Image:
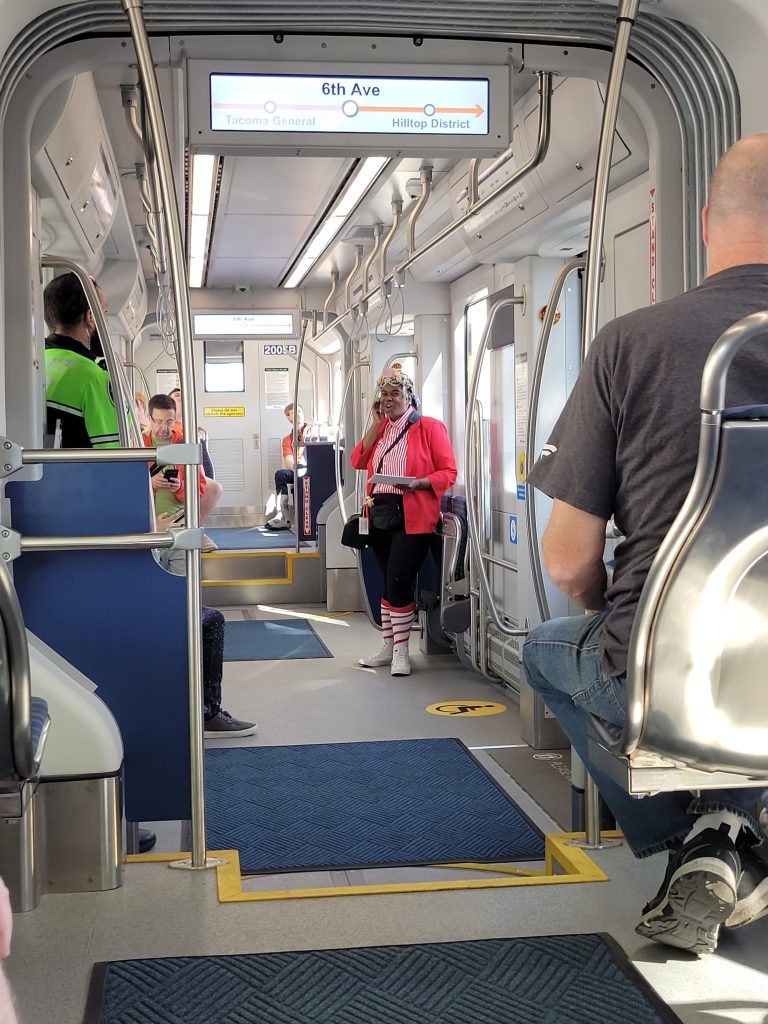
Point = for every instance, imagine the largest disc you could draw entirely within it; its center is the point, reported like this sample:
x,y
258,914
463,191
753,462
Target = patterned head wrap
x,y
393,377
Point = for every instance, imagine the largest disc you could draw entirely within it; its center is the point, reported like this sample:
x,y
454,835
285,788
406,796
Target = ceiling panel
x,y
274,185
257,273
257,236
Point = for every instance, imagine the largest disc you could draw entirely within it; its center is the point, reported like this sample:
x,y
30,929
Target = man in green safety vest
x,y
79,405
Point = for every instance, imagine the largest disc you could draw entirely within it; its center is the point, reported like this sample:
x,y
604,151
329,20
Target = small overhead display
x,y
244,325
349,105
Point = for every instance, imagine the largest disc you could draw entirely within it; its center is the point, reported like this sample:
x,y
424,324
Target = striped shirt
x,y
394,461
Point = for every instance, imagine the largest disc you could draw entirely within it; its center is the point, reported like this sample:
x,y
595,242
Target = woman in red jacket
x,y
402,517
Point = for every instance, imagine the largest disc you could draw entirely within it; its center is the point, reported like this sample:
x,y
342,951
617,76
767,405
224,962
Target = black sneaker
x,y
698,894
224,724
752,890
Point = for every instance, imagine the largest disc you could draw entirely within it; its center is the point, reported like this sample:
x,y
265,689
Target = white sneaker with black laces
x,y
223,726
697,896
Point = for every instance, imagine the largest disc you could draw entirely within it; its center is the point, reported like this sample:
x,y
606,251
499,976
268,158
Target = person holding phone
x,y
410,464
168,481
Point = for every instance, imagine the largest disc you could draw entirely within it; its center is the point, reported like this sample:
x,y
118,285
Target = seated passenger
x,y
402,518
283,477
626,445
168,481
218,722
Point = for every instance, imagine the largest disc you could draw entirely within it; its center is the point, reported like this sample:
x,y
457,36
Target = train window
x,y
224,367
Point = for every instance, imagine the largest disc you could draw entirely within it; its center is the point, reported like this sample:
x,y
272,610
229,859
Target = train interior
x,y
316,259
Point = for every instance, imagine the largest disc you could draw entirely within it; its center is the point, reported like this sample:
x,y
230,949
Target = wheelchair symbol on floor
x,y
466,708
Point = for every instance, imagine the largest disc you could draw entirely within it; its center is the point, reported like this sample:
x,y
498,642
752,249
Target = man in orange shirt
x,y
168,481
284,477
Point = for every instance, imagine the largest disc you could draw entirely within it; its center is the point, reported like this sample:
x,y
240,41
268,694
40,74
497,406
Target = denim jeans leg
x,y
561,659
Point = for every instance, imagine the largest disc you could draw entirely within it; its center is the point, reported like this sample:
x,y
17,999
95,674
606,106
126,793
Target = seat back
x,y
24,720
696,679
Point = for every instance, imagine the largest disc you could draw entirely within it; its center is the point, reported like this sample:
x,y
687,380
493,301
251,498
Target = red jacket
x,y
430,455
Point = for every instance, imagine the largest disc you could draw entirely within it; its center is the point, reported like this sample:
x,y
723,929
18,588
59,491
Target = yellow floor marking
x,y
563,865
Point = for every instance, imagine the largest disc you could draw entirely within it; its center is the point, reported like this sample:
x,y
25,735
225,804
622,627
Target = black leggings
x,y
400,556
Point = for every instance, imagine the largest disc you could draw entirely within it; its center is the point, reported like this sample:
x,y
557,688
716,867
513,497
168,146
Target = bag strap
x,y
411,420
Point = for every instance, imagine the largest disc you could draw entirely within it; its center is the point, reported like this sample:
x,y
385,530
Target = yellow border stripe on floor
x,y
564,865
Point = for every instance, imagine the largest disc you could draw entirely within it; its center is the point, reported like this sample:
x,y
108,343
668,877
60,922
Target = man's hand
x,y
160,483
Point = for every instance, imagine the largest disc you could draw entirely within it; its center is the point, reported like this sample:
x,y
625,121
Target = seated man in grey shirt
x,y
625,446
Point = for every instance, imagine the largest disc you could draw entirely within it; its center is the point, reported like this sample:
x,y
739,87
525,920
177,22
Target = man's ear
x,y
705,225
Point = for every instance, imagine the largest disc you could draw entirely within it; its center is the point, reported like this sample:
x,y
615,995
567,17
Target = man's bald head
x,y
735,222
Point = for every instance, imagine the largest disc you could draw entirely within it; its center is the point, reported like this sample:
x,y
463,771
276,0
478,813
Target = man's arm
x,y
573,545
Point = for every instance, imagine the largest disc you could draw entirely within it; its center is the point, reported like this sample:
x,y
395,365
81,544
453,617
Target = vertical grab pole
x,y
625,19
158,138
295,439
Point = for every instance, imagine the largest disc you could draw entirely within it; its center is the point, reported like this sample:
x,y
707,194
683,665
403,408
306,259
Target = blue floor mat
x,y
550,979
352,805
272,640
251,538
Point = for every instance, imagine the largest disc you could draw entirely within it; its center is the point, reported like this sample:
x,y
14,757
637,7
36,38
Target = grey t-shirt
x,y
627,440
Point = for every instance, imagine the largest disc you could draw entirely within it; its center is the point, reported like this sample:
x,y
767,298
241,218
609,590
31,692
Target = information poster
x,y
167,380
276,387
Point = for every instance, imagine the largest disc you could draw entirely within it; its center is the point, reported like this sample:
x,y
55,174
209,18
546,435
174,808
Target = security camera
x,y
242,289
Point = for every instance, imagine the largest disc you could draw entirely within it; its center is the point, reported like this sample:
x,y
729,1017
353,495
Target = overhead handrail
x,y
469,483
542,147
397,213
339,429
329,299
91,295
352,273
295,431
378,232
20,675
425,173
625,20
530,435
156,138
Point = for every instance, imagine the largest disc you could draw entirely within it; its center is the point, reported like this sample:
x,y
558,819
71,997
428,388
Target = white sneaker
x,y
382,657
401,662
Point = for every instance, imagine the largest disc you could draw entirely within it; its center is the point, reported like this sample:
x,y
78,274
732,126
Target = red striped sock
x,y
402,620
386,620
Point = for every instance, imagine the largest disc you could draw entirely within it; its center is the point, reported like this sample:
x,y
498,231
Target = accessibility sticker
x,y
466,708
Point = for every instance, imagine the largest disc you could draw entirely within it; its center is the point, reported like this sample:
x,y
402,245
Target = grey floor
x,y
161,912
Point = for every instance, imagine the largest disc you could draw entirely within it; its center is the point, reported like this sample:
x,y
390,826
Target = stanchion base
x,y
602,844
187,865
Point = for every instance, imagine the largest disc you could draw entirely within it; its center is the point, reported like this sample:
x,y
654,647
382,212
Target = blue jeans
x,y
561,659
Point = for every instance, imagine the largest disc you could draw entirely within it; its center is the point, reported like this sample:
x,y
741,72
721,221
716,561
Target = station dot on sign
x,y
466,708
270,106
349,108
429,109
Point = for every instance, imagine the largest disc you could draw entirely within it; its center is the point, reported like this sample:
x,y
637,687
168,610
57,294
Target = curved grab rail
x,y
469,483
712,400
20,679
530,436
339,428
85,279
295,431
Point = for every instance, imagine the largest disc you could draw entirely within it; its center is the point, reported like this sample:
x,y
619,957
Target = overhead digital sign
x,y
365,107
244,325
349,104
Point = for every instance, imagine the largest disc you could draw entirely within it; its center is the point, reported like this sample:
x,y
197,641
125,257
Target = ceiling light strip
x,y
349,198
